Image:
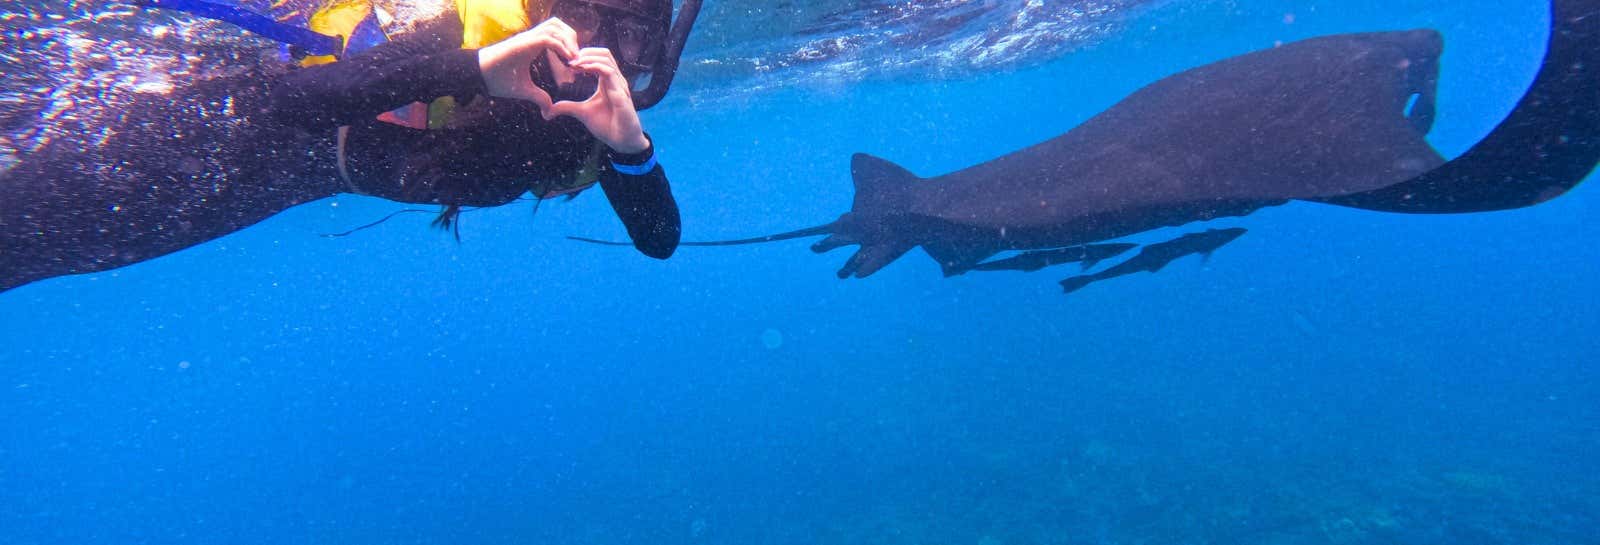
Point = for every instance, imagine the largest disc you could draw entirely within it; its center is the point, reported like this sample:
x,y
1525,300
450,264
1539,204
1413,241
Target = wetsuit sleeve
x,y
420,67
637,188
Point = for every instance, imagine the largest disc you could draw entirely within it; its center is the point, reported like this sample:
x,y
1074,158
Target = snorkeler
x,y
473,108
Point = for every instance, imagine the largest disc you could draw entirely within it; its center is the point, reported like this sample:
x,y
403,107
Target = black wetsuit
x,y
221,154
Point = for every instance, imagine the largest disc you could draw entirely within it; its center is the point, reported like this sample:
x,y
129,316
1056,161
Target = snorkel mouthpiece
x,y
578,89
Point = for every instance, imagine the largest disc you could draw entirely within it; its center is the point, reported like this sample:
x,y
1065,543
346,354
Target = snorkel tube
x,y
667,67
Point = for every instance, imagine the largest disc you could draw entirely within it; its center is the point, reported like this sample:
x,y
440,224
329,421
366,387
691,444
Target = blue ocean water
x,y
1335,376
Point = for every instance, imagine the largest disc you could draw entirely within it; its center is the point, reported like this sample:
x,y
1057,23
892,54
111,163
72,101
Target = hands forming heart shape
x,y
510,69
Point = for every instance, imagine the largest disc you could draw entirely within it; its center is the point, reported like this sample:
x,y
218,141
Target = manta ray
x,y
1338,119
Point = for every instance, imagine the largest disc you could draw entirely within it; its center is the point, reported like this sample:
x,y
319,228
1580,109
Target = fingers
x,y
600,62
609,115
596,54
577,110
563,39
606,72
613,87
540,99
537,45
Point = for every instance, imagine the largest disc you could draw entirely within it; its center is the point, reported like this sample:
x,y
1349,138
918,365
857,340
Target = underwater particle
x,y
183,364
1099,452
1304,324
772,339
190,166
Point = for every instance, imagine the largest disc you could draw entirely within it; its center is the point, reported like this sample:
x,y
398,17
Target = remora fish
x,y
1155,256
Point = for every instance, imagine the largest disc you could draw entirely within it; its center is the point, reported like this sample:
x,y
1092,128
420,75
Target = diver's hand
x,y
609,114
505,64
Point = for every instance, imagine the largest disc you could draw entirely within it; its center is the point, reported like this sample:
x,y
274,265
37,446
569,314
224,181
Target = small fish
x,y
1155,256
1089,255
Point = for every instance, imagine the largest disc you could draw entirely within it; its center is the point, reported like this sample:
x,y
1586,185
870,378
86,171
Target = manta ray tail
x,y
876,222
798,233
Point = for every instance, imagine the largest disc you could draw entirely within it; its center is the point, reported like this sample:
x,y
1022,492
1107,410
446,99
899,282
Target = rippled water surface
x,y
69,64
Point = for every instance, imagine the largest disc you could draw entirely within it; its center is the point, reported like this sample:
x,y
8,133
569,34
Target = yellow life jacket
x,y
483,22
338,18
486,22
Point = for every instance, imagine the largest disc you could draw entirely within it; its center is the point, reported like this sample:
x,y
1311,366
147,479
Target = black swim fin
x,y
1547,145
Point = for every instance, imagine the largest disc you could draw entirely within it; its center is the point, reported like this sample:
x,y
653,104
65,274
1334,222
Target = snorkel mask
x,y
638,35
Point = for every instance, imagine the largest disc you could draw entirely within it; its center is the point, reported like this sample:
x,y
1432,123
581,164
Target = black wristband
x,y
640,158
